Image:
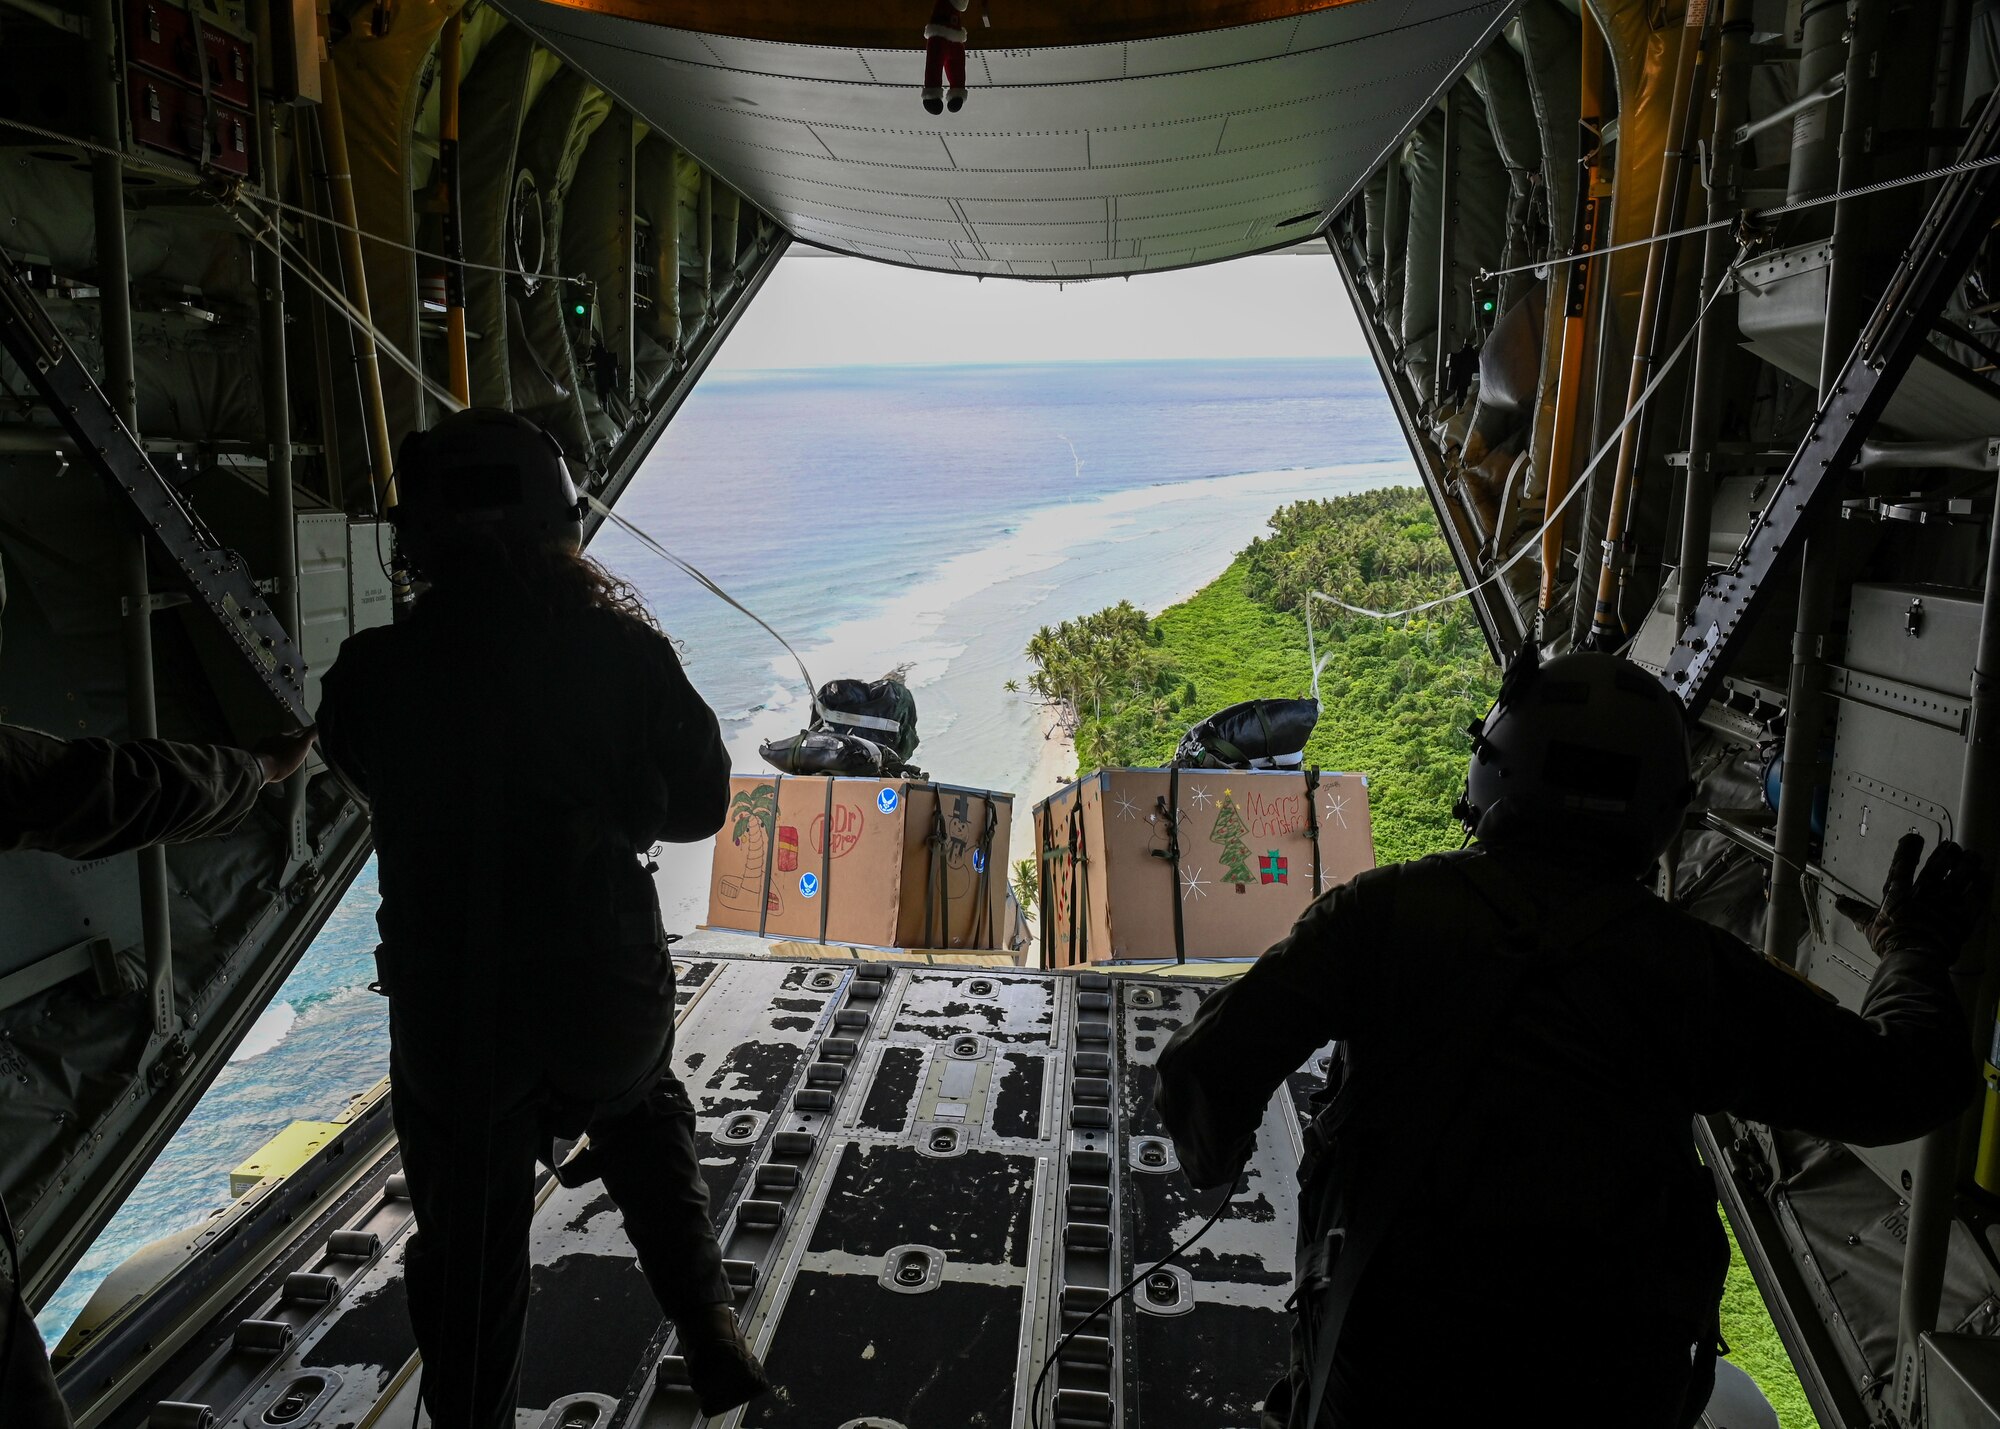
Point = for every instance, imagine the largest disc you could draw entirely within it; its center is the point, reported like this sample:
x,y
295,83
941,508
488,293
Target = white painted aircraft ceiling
x,y
1066,162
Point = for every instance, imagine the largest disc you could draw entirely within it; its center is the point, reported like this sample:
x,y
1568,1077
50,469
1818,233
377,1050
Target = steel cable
x,y
1752,215
1582,483
245,195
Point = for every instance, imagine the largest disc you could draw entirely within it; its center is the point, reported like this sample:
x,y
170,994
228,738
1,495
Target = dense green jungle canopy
x,y
1397,695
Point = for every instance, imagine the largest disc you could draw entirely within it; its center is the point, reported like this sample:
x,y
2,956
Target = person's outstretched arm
x,y
90,798
1217,1073
1774,1050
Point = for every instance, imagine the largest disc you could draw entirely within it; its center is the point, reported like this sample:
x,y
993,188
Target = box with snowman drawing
x,y
883,863
1223,875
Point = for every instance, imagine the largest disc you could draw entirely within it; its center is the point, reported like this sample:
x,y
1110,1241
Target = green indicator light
x,y
579,309
1485,307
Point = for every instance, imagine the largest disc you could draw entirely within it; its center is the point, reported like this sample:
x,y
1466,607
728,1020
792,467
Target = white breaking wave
x,y
964,628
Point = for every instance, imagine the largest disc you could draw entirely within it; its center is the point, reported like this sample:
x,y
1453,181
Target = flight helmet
x,y
484,470
1586,755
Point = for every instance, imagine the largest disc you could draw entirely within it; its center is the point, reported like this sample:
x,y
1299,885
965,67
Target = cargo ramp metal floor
x,y
921,1177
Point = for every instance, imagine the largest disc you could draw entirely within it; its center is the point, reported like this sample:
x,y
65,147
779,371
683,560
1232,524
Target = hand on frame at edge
x,y
1932,910
282,754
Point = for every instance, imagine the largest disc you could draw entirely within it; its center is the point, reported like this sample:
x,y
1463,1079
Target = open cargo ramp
x,y
921,1177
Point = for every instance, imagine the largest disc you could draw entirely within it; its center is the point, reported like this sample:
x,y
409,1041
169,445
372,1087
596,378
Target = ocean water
x,y
932,517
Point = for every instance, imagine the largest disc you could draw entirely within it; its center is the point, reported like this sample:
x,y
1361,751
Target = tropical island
x,y
1396,696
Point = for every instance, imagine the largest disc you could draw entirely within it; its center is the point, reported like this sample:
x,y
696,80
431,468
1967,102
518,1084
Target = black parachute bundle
x,y
1256,734
861,727
819,751
880,711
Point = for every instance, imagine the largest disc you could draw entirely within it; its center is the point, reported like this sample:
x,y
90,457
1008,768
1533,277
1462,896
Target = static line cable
x,y
1055,1355
330,221
701,579
324,287
245,195
1581,484
1754,215
273,238
1318,661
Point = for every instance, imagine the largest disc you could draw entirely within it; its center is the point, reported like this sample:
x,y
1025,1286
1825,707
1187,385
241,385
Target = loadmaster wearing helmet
x,y
1502,1205
523,738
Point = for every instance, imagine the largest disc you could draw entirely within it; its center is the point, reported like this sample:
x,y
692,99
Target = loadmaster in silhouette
x,y
523,737
1501,1195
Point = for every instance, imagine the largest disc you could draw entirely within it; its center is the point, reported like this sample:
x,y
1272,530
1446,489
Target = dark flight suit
x,y
91,798
517,767
1509,1150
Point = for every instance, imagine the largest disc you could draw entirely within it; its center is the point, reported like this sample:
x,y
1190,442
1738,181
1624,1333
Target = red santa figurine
x,y
944,54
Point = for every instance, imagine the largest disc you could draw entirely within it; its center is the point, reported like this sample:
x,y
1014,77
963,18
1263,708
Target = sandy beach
x,y
964,630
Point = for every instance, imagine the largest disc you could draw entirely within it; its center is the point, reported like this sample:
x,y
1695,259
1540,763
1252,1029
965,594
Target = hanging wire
x,y
1582,483
1484,274
1318,661
702,579
273,238
1751,215
133,161
324,287
330,293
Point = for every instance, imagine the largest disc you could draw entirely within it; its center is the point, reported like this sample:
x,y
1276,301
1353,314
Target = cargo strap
x,y
841,719
1079,887
825,861
982,915
770,856
1312,822
1330,1269
937,897
1044,888
1170,815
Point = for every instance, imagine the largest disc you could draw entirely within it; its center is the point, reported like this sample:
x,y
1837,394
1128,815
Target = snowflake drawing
x,y
1193,885
1336,808
1126,808
1200,796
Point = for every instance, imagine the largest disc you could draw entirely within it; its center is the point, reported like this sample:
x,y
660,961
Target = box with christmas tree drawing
x,y
1222,876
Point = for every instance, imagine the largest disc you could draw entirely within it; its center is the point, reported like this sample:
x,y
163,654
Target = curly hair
x,y
547,579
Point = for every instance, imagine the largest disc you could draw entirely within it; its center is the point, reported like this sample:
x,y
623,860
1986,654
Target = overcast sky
x,y
824,311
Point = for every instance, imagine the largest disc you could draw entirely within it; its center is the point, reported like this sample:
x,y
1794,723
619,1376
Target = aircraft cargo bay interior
x,y
1493,503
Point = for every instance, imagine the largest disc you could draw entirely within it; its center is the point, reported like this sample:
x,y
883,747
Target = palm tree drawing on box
x,y
753,814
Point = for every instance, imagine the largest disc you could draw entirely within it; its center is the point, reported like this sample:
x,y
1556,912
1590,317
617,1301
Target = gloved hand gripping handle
x,y
1932,911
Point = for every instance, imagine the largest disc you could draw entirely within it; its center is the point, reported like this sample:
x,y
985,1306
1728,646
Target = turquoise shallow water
x,y
877,516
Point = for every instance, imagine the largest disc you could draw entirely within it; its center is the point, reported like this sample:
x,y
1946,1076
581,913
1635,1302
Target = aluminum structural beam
x,y
217,577
1924,279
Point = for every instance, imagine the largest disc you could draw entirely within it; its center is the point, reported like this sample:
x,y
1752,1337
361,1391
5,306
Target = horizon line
x,y
720,370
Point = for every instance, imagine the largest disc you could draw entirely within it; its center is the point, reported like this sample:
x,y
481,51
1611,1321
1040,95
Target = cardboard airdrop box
x,y
879,863
1224,875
